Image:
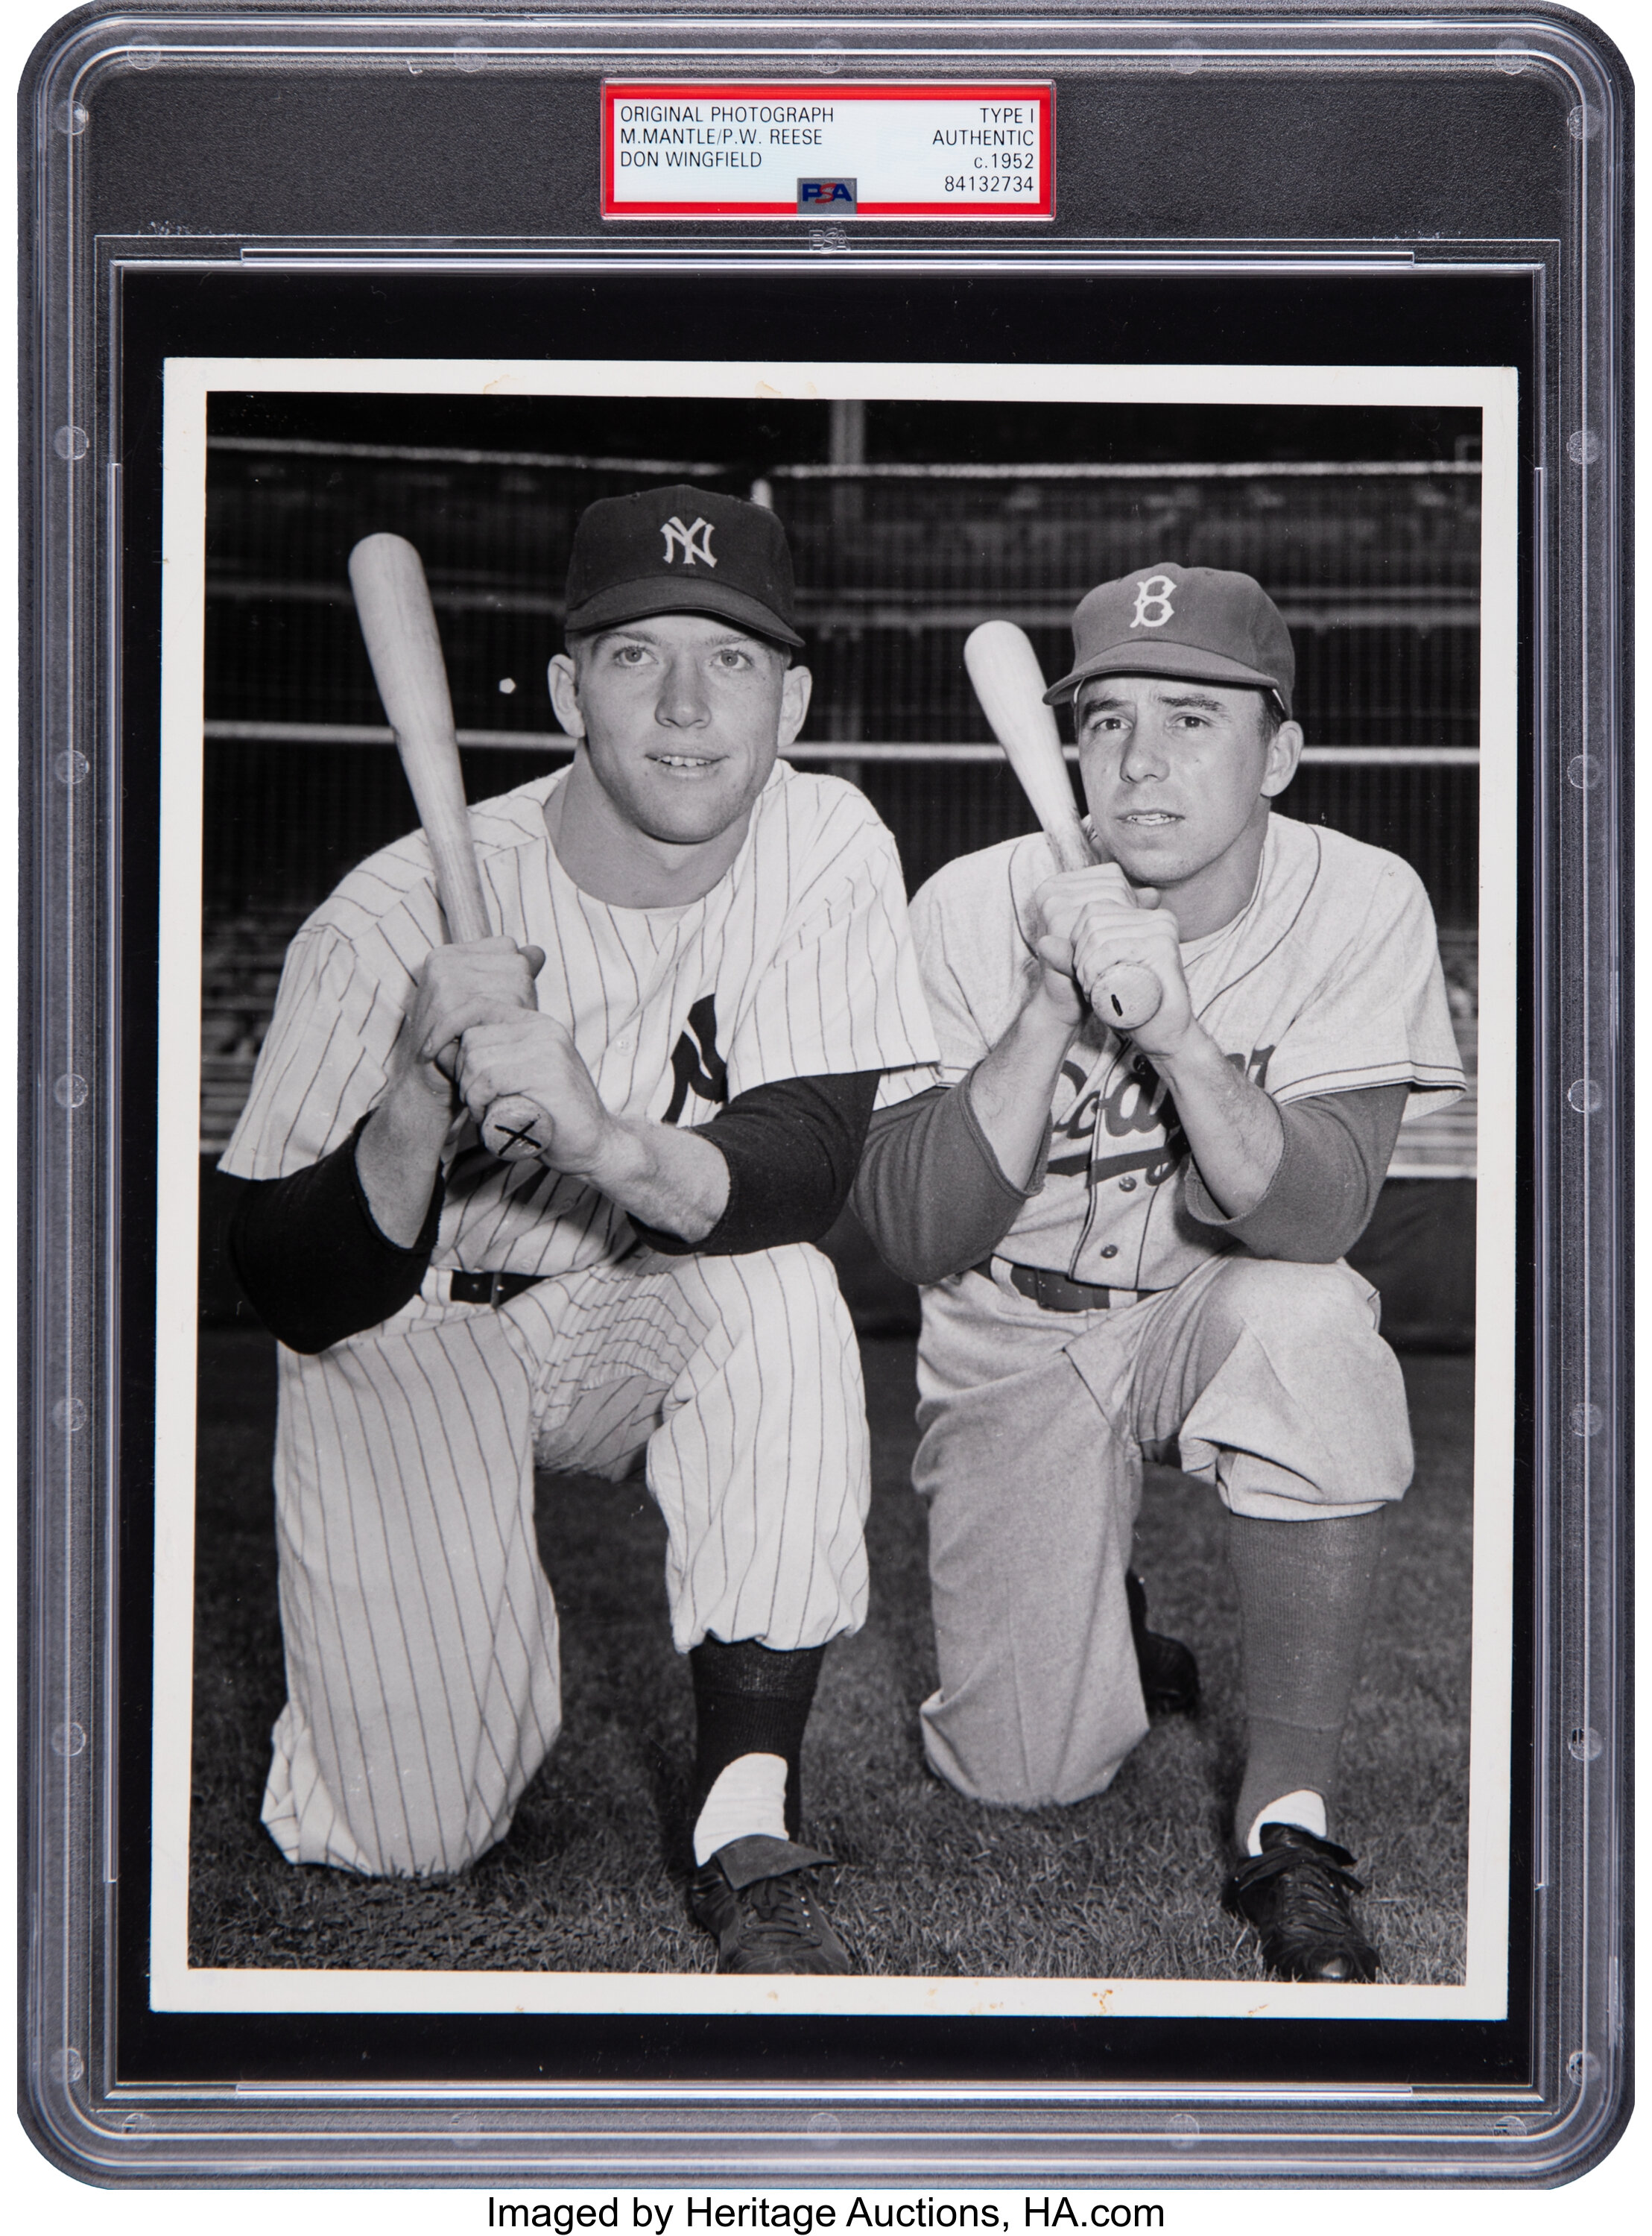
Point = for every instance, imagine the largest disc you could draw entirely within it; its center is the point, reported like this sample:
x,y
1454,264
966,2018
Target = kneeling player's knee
x,y
1317,1304
1308,1391
1316,1328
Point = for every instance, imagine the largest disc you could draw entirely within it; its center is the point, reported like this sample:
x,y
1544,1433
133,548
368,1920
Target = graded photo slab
x,y
544,1608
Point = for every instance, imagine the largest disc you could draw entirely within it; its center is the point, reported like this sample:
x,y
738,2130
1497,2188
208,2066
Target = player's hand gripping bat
x,y
399,624
1009,683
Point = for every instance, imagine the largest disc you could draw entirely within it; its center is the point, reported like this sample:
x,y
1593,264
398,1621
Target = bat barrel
x,y
1009,682
398,628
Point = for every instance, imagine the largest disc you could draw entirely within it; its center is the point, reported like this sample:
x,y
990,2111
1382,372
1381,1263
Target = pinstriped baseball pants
x,y
422,1679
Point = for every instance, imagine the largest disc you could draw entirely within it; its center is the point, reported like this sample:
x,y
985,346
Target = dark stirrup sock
x,y
750,1700
1304,1591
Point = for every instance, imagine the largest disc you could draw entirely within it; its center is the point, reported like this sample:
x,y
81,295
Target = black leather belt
x,y
1055,1291
490,1288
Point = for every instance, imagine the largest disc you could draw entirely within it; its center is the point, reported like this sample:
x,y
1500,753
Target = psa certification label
x,y
828,150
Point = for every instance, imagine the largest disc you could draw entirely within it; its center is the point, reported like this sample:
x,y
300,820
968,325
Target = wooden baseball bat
x,y
398,626
1009,683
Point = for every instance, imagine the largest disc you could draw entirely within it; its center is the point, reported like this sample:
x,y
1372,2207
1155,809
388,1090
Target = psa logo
x,y
836,197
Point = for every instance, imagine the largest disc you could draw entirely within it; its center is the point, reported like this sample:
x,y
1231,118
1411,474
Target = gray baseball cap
x,y
1201,622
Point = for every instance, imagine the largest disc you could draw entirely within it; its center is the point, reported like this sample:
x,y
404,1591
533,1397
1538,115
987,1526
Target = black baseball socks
x,y
1304,1591
750,1699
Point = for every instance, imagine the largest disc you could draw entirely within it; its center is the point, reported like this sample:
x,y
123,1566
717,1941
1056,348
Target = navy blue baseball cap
x,y
681,550
1201,622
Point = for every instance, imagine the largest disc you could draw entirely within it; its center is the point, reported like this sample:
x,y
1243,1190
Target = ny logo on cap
x,y
695,541
1154,592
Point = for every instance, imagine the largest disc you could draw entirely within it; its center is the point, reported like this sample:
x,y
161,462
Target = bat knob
x,y
1128,996
516,1130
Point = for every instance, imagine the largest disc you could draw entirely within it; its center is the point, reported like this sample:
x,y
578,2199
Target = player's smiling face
x,y
1177,776
683,715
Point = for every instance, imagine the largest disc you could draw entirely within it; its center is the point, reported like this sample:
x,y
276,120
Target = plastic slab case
x,y
1235,285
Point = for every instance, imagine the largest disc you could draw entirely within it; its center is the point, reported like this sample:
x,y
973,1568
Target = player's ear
x,y
1284,751
563,678
795,688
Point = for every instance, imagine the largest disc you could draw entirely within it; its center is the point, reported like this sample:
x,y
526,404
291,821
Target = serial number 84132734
x,y
991,183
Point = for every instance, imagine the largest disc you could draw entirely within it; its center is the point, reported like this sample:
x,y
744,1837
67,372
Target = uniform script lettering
x,y
1137,1101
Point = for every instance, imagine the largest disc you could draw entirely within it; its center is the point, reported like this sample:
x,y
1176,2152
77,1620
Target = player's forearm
x,y
399,1156
661,1176
1233,1127
1012,1088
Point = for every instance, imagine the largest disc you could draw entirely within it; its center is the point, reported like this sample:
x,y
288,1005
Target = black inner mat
x,y
1401,317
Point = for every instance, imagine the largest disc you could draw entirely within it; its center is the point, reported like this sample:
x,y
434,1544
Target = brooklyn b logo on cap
x,y
693,542
1155,592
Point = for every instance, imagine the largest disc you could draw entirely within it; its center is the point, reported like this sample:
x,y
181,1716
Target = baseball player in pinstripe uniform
x,y
1133,1244
700,968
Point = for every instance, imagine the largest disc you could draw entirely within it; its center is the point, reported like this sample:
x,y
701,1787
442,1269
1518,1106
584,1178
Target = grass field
x,y
591,1876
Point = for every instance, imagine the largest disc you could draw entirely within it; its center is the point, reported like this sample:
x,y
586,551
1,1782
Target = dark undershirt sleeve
x,y
313,1263
792,1147
1325,1184
316,1267
931,1194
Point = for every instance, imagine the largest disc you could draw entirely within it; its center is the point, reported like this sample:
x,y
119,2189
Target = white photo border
x,y
175,1985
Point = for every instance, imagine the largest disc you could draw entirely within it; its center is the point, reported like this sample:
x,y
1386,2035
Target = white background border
x,y
174,1985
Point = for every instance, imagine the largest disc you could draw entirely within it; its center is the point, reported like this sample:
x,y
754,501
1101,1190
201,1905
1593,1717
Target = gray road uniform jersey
x,y
1327,981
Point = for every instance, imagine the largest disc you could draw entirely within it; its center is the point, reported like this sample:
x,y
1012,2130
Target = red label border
x,y
1043,93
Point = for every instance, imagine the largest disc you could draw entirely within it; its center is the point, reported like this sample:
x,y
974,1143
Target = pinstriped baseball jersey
x,y
1328,980
421,1634
797,961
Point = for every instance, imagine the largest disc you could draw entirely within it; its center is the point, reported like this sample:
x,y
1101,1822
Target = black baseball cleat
x,y
1169,1672
756,1895
1296,1894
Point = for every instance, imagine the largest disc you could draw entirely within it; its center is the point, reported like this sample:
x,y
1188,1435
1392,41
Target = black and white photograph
x,y
836,1189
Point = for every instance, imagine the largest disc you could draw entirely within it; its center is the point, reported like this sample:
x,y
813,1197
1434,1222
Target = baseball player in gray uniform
x,y
700,966
1133,1244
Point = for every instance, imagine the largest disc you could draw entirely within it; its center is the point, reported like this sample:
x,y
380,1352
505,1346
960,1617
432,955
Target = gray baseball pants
x,y
1271,1382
